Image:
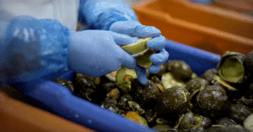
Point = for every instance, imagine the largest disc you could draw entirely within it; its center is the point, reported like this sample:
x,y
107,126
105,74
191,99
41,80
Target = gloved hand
x,y
118,17
96,53
158,42
100,14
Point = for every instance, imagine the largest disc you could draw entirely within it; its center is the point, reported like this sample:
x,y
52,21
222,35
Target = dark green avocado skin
x,y
145,95
211,101
248,62
180,70
172,102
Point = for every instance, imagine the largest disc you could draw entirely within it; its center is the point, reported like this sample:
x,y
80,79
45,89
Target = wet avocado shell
x,y
238,112
136,107
202,121
162,70
172,102
248,62
224,84
143,59
136,47
140,51
230,67
195,84
209,75
123,102
180,70
124,77
145,95
187,121
211,101
84,86
225,121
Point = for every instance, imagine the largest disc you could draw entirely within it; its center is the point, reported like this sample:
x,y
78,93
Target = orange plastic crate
x,y
209,28
16,116
235,5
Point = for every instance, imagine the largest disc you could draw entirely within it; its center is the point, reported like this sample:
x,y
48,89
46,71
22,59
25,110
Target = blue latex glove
x,y
96,52
31,48
100,14
118,17
158,42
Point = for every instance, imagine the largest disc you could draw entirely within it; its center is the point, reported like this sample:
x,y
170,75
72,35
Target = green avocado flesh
x,y
231,70
143,60
123,83
137,46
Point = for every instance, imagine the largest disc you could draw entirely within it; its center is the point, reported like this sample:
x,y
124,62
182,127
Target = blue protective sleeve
x,y
100,14
31,48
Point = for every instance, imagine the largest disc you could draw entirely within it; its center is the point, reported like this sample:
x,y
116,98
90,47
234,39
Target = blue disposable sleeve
x,y
31,48
100,14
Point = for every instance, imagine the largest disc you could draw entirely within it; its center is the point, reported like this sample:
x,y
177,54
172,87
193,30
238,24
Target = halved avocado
x,y
143,60
230,67
137,46
223,83
124,77
140,51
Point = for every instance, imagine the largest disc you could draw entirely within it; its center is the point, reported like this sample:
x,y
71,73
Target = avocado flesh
x,y
125,85
137,46
231,70
140,51
143,60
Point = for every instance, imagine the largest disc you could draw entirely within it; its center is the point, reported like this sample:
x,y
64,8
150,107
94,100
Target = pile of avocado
x,y
176,99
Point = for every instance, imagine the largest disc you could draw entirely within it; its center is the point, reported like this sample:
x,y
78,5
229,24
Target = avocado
x,y
140,51
137,46
124,77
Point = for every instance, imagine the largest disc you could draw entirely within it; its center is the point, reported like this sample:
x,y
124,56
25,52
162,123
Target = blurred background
x,y
244,6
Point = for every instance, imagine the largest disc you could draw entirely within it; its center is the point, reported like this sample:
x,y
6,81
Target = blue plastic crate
x,y
59,100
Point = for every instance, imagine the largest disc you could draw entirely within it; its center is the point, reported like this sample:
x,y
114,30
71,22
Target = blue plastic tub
x,y
59,100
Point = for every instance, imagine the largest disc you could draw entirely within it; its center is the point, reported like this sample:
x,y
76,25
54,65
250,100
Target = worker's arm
x,y
100,14
32,48
116,16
